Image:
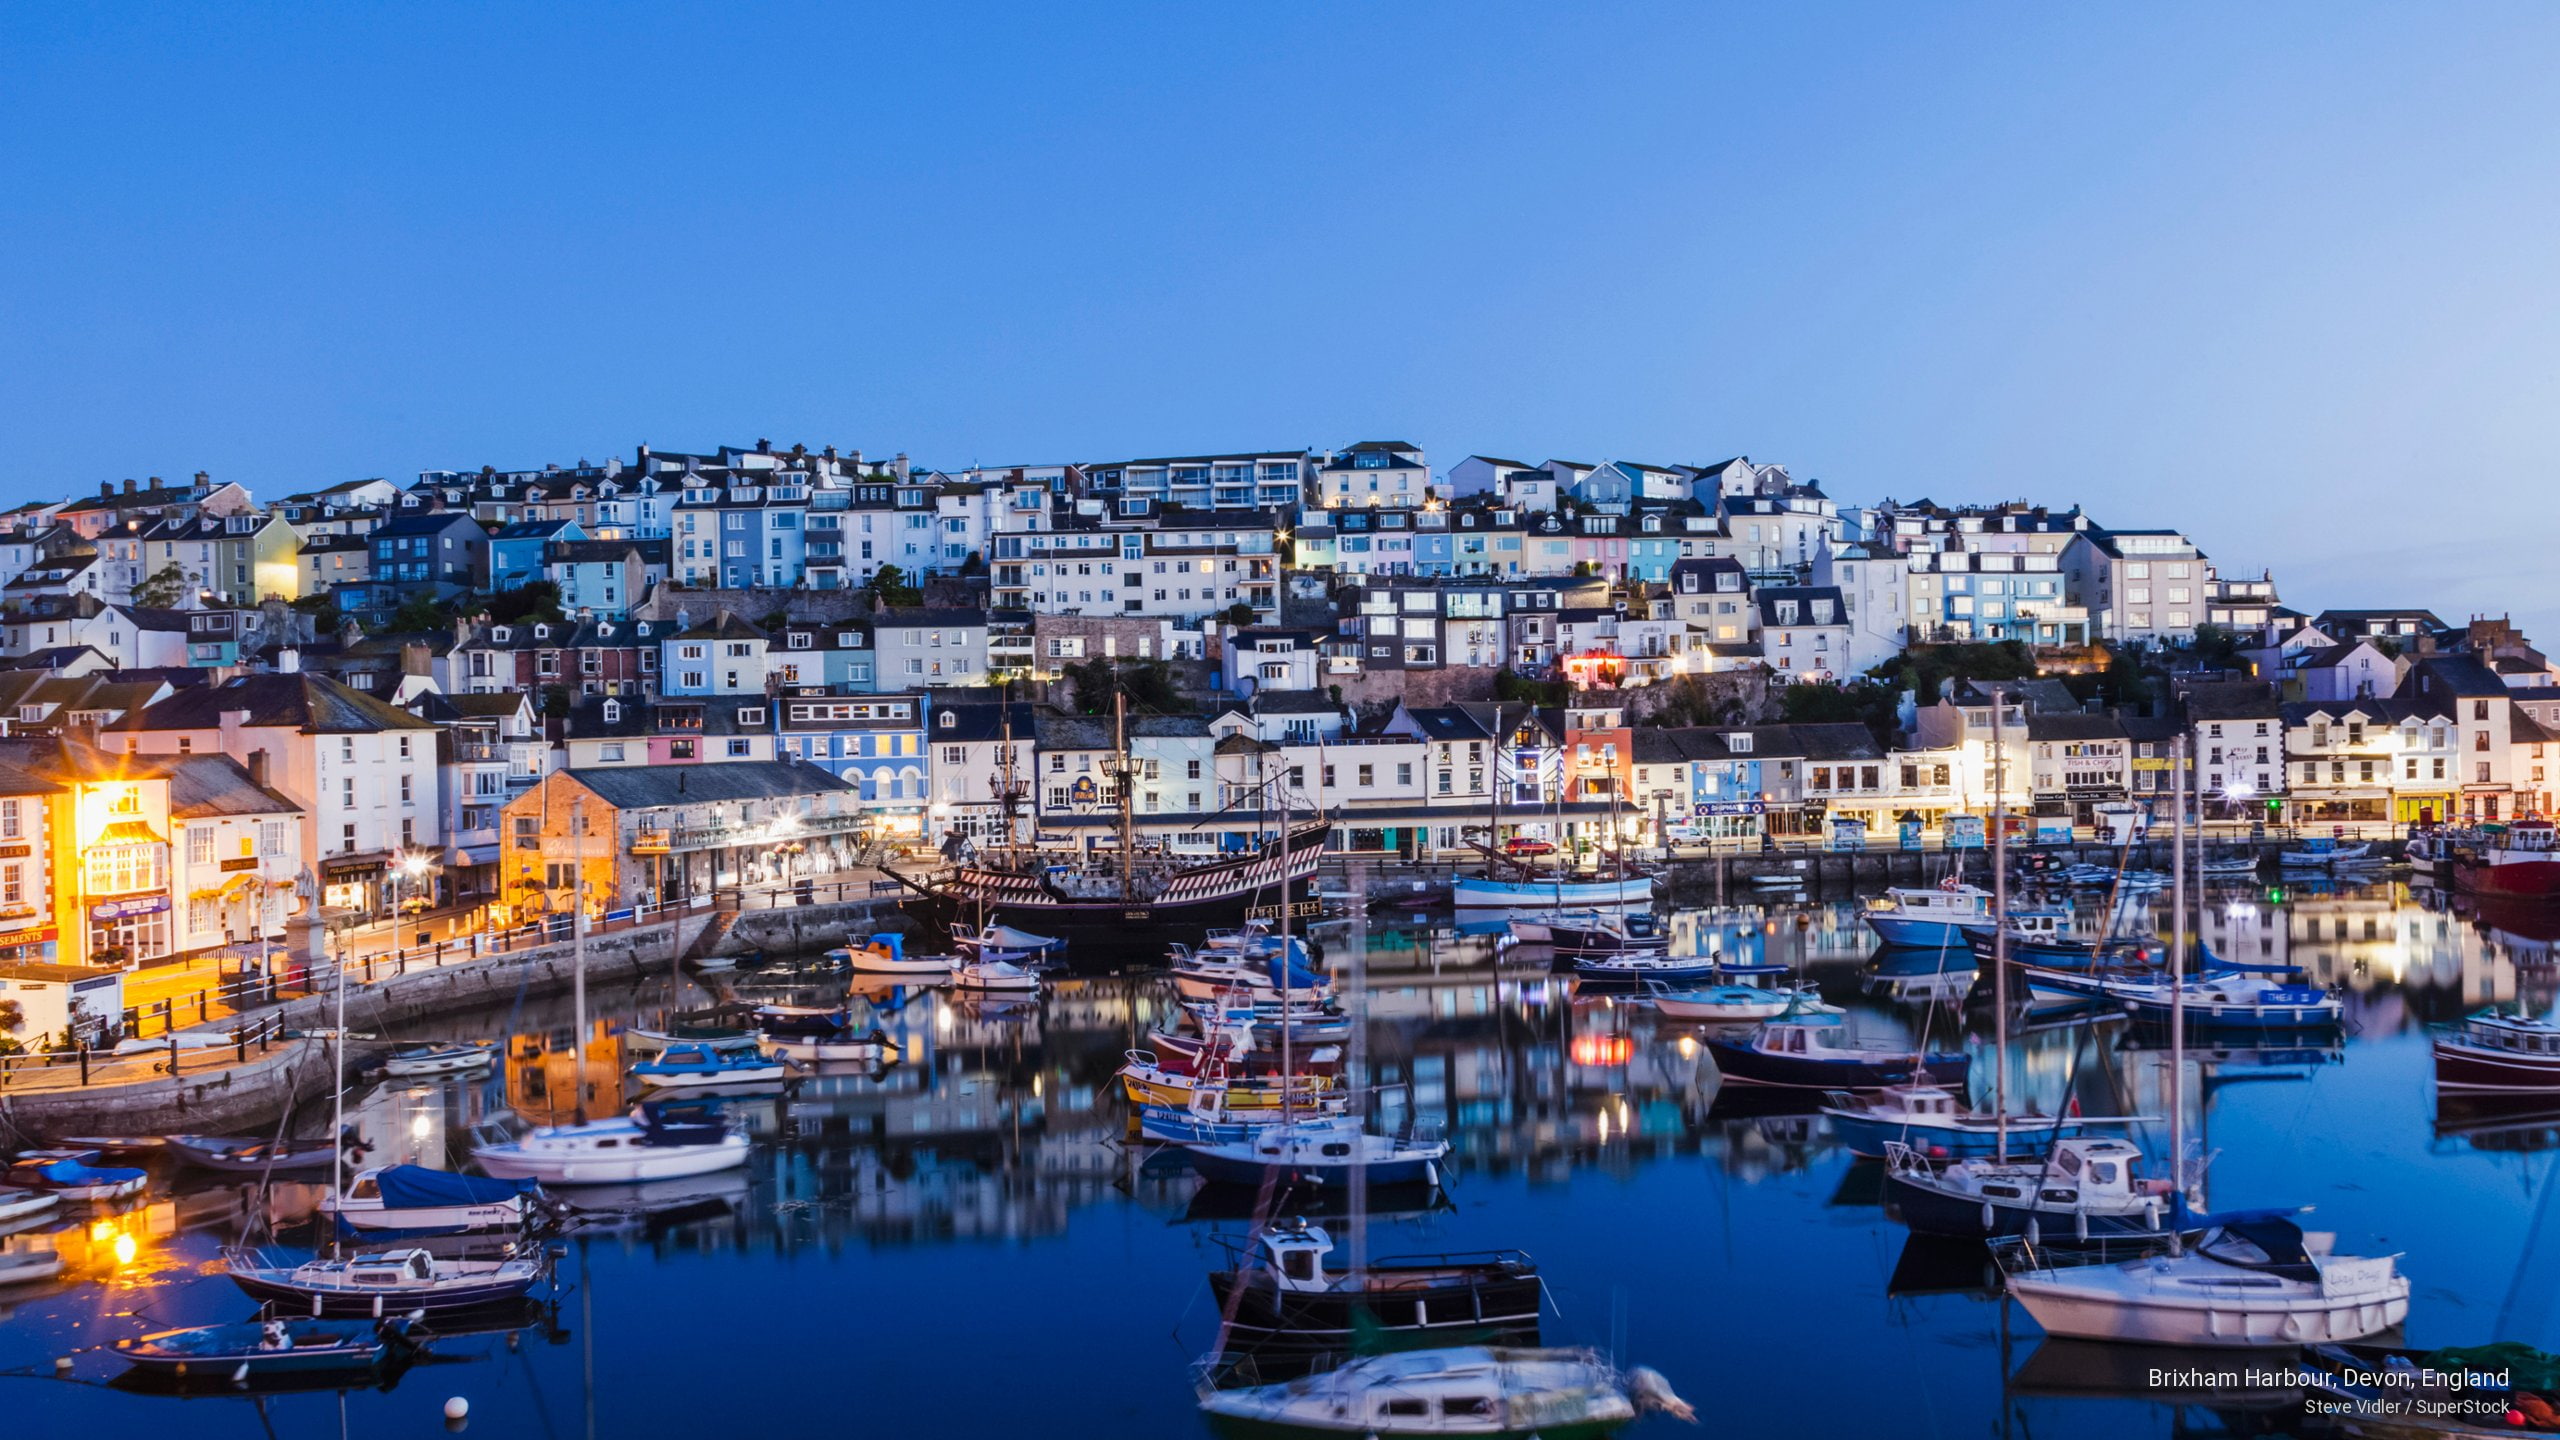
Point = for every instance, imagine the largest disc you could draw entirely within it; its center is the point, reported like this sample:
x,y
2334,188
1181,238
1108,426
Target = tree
x,y
322,608
556,701
888,585
1812,702
1239,615
1148,684
163,589
2217,647
534,600
1509,685
419,612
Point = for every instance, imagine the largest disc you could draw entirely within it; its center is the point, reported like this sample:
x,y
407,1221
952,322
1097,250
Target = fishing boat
x,y
1233,1046
2520,861
1476,1391
22,1208
2491,1051
387,1282
1928,918
2246,1283
2226,998
886,954
654,1142
1743,992
699,1067
1640,967
1208,1120
411,1062
802,1019
2081,1186
414,1200
1280,1297
1147,1081
1932,1121
1814,1052
986,973
855,1046
1321,1152
74,1175
254,1349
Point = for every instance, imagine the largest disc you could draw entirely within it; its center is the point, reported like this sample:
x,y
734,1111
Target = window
x,y
405,797
750,714
347,748
9,820
741,747
271,837
199,844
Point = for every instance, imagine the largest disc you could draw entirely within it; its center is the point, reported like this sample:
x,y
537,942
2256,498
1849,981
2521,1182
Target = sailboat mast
x,y
1004,784
578,954
1288,971
1999,926
2178,778
338,1089
1493,817
1120,745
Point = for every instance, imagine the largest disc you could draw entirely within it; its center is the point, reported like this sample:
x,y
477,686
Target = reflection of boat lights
x,y
420,1127
1035,1087
125,1248
1603,1050
1623,1122
1604,1125
1688,1047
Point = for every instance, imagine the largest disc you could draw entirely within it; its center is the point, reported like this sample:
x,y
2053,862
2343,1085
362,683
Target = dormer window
x,y
612,711
499,633
542,632
799,640
1738,742
950,721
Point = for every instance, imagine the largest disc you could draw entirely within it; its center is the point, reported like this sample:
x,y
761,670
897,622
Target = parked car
x,y
1523,845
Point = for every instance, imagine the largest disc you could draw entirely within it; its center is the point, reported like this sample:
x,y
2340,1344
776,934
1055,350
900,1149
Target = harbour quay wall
x,y
807,929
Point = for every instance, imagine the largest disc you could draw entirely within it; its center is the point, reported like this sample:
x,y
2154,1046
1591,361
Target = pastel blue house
x,y
516,552
874,743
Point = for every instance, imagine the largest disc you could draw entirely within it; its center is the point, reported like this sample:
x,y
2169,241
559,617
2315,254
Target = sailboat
x,y
2248,1281
389,1282
1507,884
1072,899
1476,1391
1280,1296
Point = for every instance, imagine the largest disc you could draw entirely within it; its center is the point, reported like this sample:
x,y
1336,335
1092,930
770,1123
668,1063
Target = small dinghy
x,y
22,1208
388,1282
886,954
1476,1391
725,1039
655,1142
994,975
253,1156
411,1062
699,1067
75,1175
414,1200
250,1350
1745,992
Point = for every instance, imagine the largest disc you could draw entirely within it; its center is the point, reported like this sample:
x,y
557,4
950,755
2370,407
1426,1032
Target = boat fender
x,y
2151,1211
315,1307
1987,1217
377,1307
241,1375
2080,1224
1431,1173
2034,1231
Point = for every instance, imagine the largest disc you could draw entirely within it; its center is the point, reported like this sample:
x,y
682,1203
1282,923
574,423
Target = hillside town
x,y
752,666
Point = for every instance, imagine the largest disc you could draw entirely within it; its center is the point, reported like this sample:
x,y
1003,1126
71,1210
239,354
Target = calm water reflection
x,y
966,1242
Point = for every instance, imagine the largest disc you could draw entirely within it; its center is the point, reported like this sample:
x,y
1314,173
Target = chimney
x,y
288,661
128,483
257,768
108,487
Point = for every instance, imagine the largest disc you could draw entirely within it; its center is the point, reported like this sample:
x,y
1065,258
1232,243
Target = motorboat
x,y
2491,1051
2222,998
985,973
1743,992
886,954
1483,892
1931,918
1005,940
1321,1152
1934,1121
2517,861
414,1200
1190,1054
1312,1021
654,1142
2230,862
75,1175
699,1067
253,1349
2245,1283
1814,1052
1640,967
1210,975
1477,1391
417,1062
1148,1082
845,1046
253,1156
1589,929
1257,940
387,1282
1280,1296
2081,1186
2323,853
22,1208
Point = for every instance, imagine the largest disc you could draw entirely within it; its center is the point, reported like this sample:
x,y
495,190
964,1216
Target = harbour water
x,y
968,1242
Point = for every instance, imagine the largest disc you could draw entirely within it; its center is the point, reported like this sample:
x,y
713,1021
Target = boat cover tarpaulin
x,y
415,1187
1285,976
69,1173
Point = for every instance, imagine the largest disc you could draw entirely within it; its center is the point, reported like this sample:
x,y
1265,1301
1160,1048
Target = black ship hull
x,y
1179,906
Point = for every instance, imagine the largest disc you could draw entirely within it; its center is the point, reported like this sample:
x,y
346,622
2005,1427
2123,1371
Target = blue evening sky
x,y
2280,275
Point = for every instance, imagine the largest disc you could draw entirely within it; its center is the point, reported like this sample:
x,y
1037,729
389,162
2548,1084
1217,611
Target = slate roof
x,y
639,787
312,704
2045,727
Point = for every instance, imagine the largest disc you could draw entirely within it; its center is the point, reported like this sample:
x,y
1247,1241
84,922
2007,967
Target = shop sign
x,y
1734,807
119,909
240,862
14,852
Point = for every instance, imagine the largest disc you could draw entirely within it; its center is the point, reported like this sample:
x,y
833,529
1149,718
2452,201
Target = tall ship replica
x,y
1125,893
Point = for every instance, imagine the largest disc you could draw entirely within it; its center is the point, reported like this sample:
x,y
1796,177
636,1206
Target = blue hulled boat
x,y
255,1349
1928,919
1934,1122
1814,1052
1320,1152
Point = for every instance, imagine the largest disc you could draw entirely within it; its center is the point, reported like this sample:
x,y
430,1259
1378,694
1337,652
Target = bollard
x,y
173,1054
84,1062
200,1011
